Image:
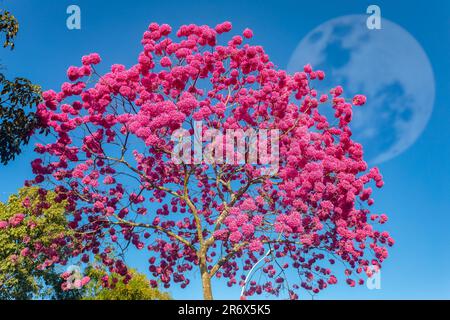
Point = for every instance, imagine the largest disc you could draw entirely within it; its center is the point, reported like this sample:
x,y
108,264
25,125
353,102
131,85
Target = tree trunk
x,y
206,284
206,277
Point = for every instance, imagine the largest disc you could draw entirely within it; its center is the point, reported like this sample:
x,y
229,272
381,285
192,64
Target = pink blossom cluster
x,y
110,161
54,249
14,221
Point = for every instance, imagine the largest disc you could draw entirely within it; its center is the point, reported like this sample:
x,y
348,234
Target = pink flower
x,y
85,280
320,74
307,68
366,194
14,258
351,282
165,62
16,219
337,91
109,180
65,275
99,205
359,100
383,218
93,58
323,98
24,252
235,236
257,220
220,234
248,204
3,224
332,280
255,245
73,73
26,202
224,27
248,229
165,29
247,33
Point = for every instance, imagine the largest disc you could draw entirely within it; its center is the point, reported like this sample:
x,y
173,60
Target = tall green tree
x,y
30,221
111,286
18,99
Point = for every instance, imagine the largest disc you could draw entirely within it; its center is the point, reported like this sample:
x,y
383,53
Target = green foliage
x,y
16,123
20,277
10,26
138,288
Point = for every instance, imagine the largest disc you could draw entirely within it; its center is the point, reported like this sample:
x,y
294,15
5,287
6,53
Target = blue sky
x,y
417,190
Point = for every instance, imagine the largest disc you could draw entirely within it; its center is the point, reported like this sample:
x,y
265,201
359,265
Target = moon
x,y
387,65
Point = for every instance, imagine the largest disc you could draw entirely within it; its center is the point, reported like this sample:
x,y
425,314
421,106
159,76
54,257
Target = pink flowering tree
x,y
111,159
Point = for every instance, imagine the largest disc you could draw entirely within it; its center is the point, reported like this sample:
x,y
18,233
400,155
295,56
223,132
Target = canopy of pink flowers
x,y
110,159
